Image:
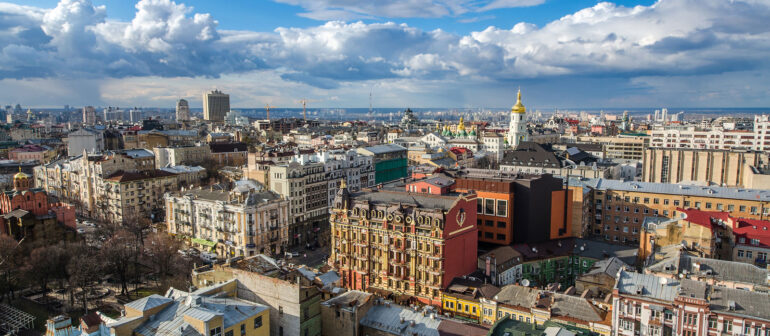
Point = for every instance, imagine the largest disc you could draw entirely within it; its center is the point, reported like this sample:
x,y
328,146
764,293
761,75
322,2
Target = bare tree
x,y
162,253
82,270
119,256
46,263
9,265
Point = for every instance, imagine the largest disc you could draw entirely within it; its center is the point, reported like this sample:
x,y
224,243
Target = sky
x,y
418,53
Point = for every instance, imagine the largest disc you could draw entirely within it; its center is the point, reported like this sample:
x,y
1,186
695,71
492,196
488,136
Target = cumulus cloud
x,y
348,10
670,38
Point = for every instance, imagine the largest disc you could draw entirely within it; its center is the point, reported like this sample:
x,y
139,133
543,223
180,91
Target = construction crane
x,y
304,102
268,107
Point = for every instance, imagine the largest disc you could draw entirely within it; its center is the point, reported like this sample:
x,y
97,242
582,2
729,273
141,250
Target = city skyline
x,y
406,53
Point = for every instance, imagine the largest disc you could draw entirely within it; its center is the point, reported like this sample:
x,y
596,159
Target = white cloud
x,y
352,9
670,39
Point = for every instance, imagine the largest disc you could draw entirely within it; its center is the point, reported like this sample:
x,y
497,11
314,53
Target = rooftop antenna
x,y
370,101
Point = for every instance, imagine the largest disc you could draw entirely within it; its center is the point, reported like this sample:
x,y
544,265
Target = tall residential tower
x,y
215,105
183,109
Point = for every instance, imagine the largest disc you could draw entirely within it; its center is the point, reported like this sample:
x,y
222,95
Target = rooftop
x,y
399,320
677,189
443,202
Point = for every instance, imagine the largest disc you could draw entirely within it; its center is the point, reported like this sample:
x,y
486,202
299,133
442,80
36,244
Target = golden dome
x,y
20,175
461,125
519,107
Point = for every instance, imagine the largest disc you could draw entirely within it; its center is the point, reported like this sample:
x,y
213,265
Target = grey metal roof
x,y
746,303
148,303
721,270
348,298
386,148
171,320
516,295
600,250
421,200
387,318
647,285
575,307
678,189
609,266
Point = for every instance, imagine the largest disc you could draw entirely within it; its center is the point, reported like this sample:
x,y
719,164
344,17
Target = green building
x,y
510,327
562,261
390,162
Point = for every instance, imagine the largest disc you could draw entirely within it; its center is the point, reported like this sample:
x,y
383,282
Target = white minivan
x,y
209,257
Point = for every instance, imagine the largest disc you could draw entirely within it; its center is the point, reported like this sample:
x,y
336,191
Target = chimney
x,y
487,271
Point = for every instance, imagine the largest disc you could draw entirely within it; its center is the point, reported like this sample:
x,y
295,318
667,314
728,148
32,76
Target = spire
x,y
519,107
343,185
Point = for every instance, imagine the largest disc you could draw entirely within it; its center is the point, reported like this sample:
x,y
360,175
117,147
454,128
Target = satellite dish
x,y
525,282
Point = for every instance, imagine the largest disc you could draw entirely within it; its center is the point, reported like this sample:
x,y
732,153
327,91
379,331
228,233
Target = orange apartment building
x,y
619,208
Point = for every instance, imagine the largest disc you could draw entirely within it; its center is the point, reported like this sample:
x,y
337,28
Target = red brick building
x,y
403,245
26,214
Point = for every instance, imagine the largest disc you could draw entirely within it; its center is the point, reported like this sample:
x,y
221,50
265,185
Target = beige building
x,y
305,186
241,222
181,155
732,168
619,147
108,186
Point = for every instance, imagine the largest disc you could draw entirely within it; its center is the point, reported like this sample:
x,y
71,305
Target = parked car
x,y
81,231
209,257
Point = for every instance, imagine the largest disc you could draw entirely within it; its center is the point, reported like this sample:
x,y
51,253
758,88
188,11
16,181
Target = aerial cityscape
x,y
376,168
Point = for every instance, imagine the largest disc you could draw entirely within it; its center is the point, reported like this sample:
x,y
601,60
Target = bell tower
x,y
517,131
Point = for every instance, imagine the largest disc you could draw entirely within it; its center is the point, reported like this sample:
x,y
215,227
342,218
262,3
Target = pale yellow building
x,y
731,168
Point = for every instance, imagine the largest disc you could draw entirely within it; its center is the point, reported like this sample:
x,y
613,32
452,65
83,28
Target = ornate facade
x,y
400,244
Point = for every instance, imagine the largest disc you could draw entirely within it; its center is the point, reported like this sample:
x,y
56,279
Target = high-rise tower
x,y
517,132
215,105
182,110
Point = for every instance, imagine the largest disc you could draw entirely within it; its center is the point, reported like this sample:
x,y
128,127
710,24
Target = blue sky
x,y
425,53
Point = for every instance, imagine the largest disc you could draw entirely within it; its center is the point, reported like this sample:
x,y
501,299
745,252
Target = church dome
x,y
20,176
519,107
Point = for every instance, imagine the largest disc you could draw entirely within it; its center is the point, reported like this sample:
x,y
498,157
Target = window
x,y
740,253
730,207
229,333
665,201
500,236
646,200
712,322
243,329
501,224
691,319
753,210
473,309
257,322
489,223
676,202
480,205
708,205
686,204
216,331
489,235
746,329
489,205
742,208
748,254
727,326
720,207
697,205
668,316
502,208
626,325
